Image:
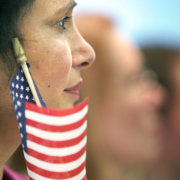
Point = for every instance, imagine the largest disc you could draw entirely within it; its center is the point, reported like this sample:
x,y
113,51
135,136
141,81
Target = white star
x,y
17,95
15,107
21,135
12,92
19,114
33,99
27,89
17,78
23,145
17,117
20,125
21,71
22,88
22,79
19,103
21,96
17,86
13,98
12,84
27,98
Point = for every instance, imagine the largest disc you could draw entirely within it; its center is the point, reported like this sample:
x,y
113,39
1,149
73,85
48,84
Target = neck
x,y
9,133
1,172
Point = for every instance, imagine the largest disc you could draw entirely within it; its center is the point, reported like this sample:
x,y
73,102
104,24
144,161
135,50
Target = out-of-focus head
x,y
154,27
131,126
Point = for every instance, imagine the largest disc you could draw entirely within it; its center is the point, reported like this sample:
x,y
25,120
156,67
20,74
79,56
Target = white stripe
x,y
57,151
38,177
55,120
56,136
55,167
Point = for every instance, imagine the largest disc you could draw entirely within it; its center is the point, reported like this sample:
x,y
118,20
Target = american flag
x,y
53,141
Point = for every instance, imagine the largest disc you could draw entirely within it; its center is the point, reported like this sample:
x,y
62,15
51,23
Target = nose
x,y
83,54
154,96
153,92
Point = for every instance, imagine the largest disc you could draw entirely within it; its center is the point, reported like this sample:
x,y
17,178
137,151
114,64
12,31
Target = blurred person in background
x,y
156,30
125,131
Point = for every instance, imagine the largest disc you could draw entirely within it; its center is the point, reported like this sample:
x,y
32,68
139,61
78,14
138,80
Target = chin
x,y
151,157
67,101
66,104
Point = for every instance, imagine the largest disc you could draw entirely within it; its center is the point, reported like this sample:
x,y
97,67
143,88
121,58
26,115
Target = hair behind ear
x,y
11,11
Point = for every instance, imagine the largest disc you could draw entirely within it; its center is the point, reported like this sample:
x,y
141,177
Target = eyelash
x,y
63,21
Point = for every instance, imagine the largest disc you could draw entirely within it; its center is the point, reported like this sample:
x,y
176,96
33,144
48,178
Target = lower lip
x,y
73,92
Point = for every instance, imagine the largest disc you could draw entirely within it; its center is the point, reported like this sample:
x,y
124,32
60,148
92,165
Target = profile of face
x,y
55,50
131,130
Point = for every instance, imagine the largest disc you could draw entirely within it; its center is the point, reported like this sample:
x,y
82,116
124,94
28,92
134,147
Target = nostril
x,y
84,64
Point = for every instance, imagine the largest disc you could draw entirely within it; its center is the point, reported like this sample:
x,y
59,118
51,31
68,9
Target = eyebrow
x,y
69,6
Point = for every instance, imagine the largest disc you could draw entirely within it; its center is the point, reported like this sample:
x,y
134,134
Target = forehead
x,y
132,61
50,7
45,12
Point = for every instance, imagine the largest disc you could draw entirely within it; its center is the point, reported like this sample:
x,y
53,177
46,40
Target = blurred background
x,y
133,89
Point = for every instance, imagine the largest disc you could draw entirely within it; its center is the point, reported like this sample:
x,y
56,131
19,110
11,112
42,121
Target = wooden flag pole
x,y
21,59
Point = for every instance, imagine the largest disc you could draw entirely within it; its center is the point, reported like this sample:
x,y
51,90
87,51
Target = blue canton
x,y
21,93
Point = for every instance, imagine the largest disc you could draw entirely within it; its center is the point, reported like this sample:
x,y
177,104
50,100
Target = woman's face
x,y
55,50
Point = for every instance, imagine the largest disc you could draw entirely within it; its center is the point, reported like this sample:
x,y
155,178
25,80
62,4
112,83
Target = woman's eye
x,y
63,22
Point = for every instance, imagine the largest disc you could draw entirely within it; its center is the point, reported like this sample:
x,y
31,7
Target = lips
x,y
75,89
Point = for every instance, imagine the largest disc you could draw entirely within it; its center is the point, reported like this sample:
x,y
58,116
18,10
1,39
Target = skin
x,y
125,134
56,57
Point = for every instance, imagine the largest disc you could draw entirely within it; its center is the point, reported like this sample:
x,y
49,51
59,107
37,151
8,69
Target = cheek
x,y
122,130
50,63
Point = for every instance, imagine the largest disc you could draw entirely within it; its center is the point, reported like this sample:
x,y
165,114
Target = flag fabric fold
x,y
53,141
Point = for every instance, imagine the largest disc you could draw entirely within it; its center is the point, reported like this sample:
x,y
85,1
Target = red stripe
x,y
56,159
53,112
55,175
31,178
52,128
56,144
85,178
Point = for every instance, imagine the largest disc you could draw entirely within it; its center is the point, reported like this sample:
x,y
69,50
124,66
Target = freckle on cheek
x,y
37,66
49,86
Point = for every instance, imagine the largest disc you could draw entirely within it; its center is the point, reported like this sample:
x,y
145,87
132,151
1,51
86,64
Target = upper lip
x,y
76,87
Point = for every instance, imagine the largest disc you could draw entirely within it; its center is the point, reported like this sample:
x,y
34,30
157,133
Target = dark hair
x,y
159,60
11,12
